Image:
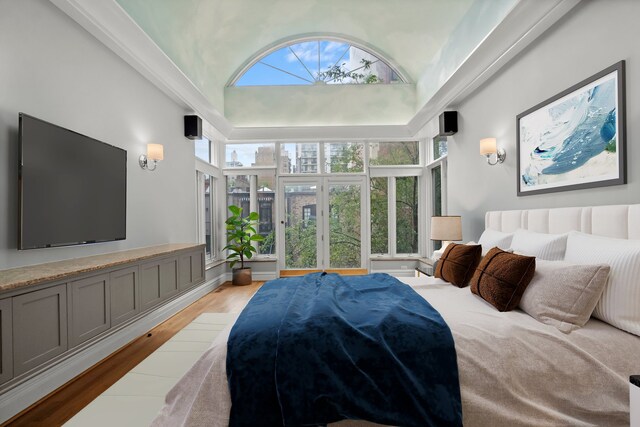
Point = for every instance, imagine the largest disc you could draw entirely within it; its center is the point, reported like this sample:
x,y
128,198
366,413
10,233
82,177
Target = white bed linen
x,y
514,370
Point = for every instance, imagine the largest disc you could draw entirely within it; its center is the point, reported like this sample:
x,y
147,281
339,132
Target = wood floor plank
x,y
59,406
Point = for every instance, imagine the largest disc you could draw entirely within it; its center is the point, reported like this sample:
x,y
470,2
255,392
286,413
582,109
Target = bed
x,y
513,369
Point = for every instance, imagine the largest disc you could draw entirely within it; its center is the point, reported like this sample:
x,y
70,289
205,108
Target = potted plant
x,y
241,234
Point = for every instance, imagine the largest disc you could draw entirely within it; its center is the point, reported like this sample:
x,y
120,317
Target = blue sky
x,y
330,53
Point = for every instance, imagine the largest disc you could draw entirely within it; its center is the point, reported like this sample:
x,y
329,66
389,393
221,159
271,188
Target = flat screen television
x,y
73,188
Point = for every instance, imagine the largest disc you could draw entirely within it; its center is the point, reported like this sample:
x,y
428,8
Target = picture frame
x,y
575,139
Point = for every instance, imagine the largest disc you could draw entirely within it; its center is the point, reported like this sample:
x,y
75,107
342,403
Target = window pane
x,y
439,147
344,157
300,227
203,149
319,62
379,216
266,210
299,157
394,153
344,226
208,236
407,215
436,183
246,155
239,194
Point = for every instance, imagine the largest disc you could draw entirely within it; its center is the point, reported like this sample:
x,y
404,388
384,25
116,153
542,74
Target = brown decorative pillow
x,y
502,277
458,262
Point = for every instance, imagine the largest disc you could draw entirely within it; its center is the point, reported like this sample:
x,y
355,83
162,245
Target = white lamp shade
x,y
155,152
488,146
446,228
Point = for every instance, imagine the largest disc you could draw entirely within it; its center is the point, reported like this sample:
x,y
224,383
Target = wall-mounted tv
x,y
73,189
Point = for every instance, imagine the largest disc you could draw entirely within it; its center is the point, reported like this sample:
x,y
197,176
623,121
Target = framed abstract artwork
x,y
575,139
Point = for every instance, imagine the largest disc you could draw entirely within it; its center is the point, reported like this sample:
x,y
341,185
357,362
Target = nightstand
x,y
634,400
425,267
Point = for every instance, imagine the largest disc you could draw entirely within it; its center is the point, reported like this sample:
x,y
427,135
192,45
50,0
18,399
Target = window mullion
x,y
391,209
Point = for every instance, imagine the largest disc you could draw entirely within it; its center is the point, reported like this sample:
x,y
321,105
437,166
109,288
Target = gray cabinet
x,y
6,350
125,294
191,269
158,281
168,277
90,308
40,325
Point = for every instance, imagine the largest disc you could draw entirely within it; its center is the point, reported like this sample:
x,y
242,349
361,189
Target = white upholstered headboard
x,y
619,221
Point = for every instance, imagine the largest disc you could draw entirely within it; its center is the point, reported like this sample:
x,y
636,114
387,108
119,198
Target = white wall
x,y
53,69
336,105
593,36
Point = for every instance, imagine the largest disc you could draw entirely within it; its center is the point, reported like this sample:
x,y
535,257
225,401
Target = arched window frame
x,y
283,43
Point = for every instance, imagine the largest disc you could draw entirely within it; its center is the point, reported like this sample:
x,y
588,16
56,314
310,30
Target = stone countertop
x,y
35,274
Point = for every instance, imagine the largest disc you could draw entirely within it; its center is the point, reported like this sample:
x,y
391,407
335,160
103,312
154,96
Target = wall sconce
x,y
488,147
155,153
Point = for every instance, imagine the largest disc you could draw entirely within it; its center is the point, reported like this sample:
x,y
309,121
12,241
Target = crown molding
x,y
111,25
522,25
324,133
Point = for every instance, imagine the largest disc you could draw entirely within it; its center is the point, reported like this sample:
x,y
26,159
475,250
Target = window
x,y
439,146
394,153
300,157
203,149
437,174
394,215
406,214
207,213
379,190
255,193
250,155
319,61
343,157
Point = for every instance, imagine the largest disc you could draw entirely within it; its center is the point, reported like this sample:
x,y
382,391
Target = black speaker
x,y
448,123
193,127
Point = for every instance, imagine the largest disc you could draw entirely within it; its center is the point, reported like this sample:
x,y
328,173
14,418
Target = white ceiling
x,y
210,40
190,49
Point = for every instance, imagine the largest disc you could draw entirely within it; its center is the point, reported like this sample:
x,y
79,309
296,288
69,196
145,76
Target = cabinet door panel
x,y
191,269
197,267
185,271
6,350
125,294
168,277
149,285
40,322
90,309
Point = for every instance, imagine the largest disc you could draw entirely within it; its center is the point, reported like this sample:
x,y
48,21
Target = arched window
x,y
317,61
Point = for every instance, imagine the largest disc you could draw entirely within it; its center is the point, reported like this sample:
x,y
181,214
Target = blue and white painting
x,y
572,140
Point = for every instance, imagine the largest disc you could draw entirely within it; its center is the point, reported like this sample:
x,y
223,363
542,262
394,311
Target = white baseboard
x,y
259,276
33,389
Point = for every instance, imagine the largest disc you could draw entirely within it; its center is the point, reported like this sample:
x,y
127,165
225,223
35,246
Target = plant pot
x,y
241,276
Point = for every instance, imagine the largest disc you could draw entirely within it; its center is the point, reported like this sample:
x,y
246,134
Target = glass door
x,y
299,224
321,224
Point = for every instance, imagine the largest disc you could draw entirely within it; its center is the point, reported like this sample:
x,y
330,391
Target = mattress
x,y
514,370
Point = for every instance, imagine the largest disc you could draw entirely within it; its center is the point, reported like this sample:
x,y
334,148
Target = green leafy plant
x,y
241,234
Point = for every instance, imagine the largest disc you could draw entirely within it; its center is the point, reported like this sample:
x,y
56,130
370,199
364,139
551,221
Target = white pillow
x,y
562,294
494,238
620,302
550,247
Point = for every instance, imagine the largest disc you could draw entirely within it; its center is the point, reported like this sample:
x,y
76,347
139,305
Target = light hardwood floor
x,y
58,407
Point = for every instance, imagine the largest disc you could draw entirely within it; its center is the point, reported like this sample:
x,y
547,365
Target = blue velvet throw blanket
x,y
321,348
